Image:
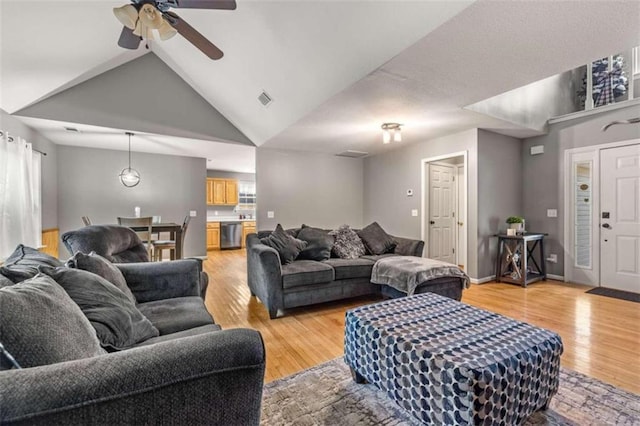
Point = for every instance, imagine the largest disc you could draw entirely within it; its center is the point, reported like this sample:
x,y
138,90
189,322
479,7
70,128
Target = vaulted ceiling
x,y
335,69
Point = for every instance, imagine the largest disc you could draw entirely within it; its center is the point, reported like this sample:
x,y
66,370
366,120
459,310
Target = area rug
x,y
326,395
616,294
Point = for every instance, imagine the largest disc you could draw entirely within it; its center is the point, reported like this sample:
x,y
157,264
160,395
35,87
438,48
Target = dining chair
x,y
86,220
160,245
138,222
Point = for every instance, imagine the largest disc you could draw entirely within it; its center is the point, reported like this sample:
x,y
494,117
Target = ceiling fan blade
x,y
128,39
203,4
191,34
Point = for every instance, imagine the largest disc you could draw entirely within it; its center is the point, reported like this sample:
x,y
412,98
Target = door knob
x,y
432,222
460,223
606,225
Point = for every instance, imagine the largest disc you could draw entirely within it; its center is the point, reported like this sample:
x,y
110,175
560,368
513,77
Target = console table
x,y
514,254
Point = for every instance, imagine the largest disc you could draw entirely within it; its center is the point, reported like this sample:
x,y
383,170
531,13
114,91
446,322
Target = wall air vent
x,y
265,99
72,129
353,154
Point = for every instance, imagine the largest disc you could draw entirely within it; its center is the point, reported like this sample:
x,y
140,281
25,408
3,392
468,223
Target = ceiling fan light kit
x,y
389,129
143,19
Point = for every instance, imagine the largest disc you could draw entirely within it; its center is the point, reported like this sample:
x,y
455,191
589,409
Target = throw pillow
x,y
118,323
319,243
375,240
23,263
348,244
98,265
4,281
41,324
287,246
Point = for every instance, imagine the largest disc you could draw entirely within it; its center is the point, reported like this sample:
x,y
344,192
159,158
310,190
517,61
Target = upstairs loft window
x,y
608,80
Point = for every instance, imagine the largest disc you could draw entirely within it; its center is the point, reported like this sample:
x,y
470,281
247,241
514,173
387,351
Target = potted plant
x,y
516,222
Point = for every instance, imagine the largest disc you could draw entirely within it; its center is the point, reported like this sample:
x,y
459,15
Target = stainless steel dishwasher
x,y
230,235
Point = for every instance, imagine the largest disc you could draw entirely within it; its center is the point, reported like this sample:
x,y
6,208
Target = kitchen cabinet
x,y
213,235
247,228
222,192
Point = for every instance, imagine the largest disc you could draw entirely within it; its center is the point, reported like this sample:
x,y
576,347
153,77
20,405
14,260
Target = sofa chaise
x,y
191,372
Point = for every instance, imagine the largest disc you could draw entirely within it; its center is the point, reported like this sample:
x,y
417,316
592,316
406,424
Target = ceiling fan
x,y
142,17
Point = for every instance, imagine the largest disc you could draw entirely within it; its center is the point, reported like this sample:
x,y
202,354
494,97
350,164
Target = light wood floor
x,y
601,335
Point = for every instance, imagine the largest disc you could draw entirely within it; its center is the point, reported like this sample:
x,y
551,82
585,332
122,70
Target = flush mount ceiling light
x,y
388,129
128,176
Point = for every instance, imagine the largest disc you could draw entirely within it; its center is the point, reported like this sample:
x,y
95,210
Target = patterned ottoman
x,y
450,363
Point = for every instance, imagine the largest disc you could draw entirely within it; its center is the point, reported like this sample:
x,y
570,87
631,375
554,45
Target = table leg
x,y
499,260
542,260
178,241
523,264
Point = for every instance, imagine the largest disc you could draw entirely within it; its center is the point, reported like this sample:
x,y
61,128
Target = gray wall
x,y
247,177
302,187
499,193
388,176
49,166
170,186
543,175
144,95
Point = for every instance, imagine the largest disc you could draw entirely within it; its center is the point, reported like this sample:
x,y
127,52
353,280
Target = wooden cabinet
x,y
213,235
222,192
247,228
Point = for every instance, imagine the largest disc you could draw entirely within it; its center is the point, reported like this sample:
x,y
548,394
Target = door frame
x,y
568,206
424,202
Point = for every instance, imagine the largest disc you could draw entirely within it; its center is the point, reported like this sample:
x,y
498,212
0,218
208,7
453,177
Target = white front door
x,y
441,216
620,218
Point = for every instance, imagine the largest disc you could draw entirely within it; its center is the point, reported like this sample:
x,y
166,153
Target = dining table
x,y
174,230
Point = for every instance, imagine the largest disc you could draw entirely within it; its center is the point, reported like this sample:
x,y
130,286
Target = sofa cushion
x,y
319,243
180,334
348,244
351,268
118,323
98,265
287,246
177,314
376,257
306,272
4,281
376,240
41,324
23,263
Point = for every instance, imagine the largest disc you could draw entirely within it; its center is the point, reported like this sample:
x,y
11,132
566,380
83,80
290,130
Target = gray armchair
x,y
117,244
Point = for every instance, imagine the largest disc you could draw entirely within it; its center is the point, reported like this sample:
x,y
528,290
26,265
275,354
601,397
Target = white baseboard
x,y
482,280
555,277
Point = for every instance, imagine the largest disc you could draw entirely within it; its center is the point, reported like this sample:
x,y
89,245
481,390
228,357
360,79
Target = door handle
x,y
606,226
460,223
432,222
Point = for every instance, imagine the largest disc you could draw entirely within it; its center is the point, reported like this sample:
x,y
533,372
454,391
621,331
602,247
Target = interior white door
x,y
441,216
461,250
620,218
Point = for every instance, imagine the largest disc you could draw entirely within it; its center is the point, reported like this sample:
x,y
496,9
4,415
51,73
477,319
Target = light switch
x,y
414,212
193,213
552,213
537,150
270,215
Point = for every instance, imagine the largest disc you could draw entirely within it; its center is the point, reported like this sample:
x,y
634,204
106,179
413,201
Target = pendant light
x,y
128,176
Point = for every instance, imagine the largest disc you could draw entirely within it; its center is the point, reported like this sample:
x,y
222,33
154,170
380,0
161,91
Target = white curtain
x,y
20,195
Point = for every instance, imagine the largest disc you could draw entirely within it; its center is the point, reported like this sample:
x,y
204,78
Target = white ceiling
x,y
336,69
220,156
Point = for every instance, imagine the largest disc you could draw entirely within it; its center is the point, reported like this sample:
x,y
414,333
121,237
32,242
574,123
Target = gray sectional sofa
x,y
306,282
191,372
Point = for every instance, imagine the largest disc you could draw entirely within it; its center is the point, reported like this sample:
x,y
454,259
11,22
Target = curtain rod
x,y
10,139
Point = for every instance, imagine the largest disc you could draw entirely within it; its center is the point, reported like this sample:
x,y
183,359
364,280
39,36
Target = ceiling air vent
x,y
353,154
72,129
265,99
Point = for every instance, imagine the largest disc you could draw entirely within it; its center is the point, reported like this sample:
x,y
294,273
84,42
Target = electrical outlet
x,y
552,213
193,213
414,212
270,215
409,192
553,258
